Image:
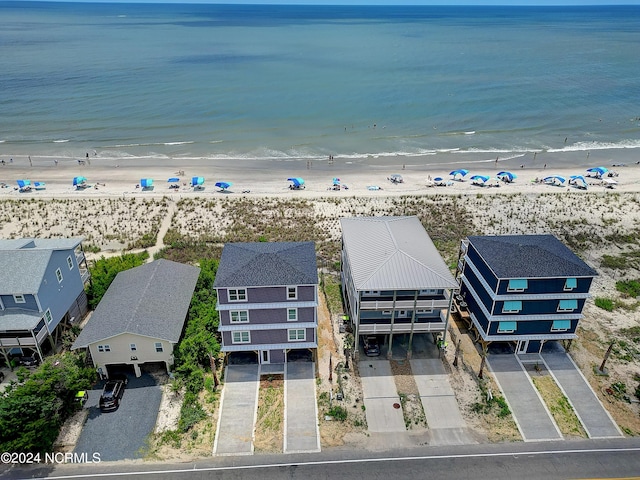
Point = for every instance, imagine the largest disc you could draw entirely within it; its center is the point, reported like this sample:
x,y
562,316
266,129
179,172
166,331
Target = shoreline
x,y
118,177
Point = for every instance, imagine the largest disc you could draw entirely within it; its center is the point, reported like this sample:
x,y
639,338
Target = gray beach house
x,y
140,318
268,301
523,289
394,281
41,293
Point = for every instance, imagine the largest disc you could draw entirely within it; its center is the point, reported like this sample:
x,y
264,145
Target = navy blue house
x,y
525,289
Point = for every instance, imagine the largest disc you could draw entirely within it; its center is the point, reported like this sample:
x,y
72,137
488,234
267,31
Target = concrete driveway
x,y
529,411
121,434
594,418
301,432
446,425
380,395
238,406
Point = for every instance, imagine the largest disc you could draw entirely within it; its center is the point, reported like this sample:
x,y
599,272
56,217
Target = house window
x,y
239,316
292,314
70,263
514,306
370,293
237,294
561,325
292,293
424,310
429,291
48,317
59,275
133,347
386,312
517,285
570,283
19,299
567,305
506,327
297,334
104,348
240,337
159,348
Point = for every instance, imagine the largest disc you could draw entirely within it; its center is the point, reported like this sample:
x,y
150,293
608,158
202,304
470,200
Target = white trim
x,y
159,345
297,331
133,347
265,306
265,326
252,347
295,292
59,276
70,262
289,310
21,296
239,319
237,295
240,337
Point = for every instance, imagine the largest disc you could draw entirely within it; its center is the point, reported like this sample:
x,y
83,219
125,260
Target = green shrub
x,y
604,303
629,287
190,413
338,412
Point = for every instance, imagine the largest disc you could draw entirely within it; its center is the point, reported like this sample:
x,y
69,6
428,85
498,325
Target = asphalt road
x,y
121,434
545,460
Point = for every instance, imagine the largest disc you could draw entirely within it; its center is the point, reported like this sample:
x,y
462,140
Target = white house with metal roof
x,y
394,280
41,292
141,317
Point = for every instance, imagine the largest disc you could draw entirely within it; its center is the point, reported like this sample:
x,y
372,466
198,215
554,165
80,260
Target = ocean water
x,y
301,82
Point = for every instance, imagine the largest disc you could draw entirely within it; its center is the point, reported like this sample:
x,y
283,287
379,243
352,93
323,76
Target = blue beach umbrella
x,y
506,176
23,183
79,180
173,180
197,181
555,180
599,171
578,180
438,179
40,185
336,181
146,182
480,179
223,185
297,181
461,172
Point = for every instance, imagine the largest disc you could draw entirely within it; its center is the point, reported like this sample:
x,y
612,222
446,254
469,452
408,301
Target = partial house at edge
x,y
524,289
140,318
268,301
394,280
41,293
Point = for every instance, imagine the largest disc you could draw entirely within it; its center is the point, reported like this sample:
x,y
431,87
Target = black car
x,y
31,361
371,347
111,395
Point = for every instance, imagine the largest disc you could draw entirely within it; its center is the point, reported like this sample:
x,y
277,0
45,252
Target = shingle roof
x,y
267,264
150,300
23,262
393,253
530,256
19,319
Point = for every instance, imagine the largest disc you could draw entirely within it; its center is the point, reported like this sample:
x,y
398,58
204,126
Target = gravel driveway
x,y
121,434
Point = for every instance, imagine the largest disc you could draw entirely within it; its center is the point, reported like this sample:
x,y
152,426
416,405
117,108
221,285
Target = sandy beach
x,y
118,177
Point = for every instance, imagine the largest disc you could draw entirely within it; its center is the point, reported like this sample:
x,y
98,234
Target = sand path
x,y
164,228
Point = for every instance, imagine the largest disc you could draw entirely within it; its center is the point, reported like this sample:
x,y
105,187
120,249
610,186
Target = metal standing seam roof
x,y
393,253
530,256
150,300
262,264
24,261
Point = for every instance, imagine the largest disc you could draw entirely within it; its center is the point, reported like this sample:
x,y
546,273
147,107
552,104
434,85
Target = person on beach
x,y
30,162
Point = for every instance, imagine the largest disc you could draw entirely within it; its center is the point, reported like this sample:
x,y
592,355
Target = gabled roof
x,y
264,264
530,256
151,300
393,253
23,262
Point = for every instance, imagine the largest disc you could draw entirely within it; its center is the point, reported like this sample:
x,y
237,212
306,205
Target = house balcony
x,y
80,258
85,275
403,325
405,303
25,339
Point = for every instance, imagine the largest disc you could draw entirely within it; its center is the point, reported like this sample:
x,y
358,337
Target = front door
x,y
265,357
522,346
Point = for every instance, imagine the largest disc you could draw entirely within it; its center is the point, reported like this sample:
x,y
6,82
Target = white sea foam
x,y
585,146
61,141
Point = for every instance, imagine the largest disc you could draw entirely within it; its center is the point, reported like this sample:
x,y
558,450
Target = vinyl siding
x,y
270,316
270,295
267,337
547,285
